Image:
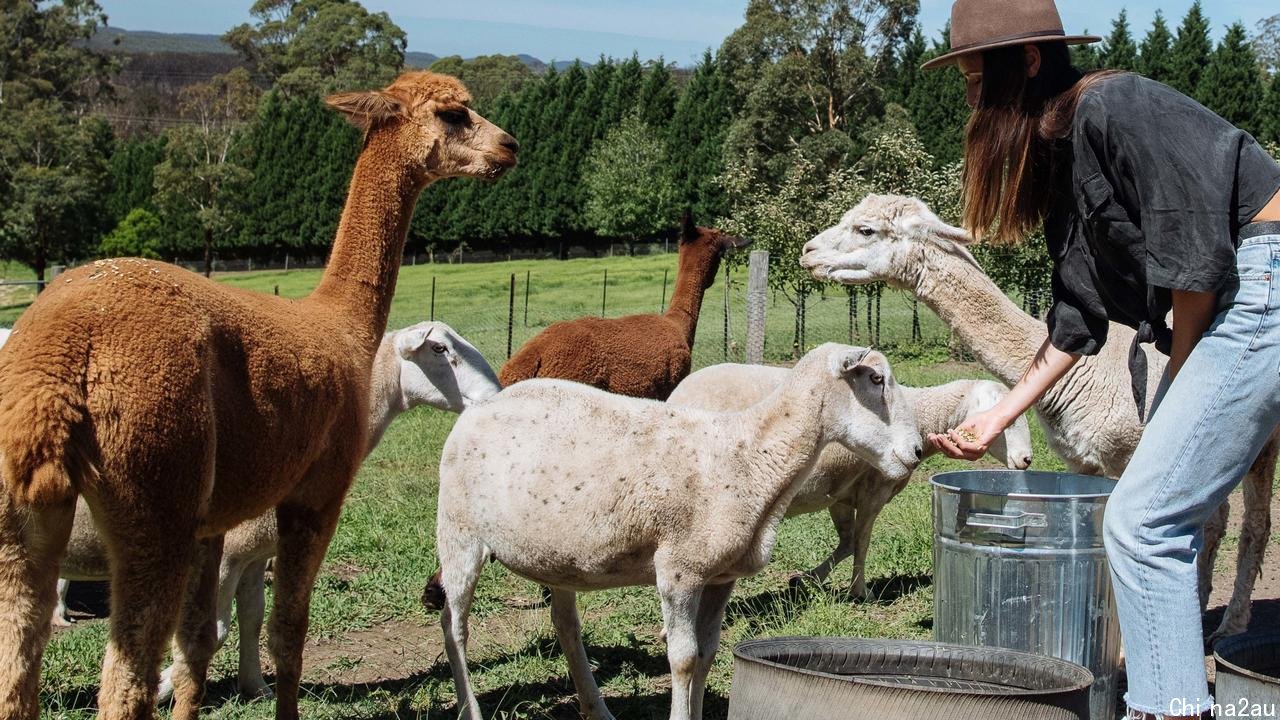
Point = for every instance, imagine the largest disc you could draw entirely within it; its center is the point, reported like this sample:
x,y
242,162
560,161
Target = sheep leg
x,y
60,618
225,593
1214,529
196,638
460,564
842,518
710,621
251,605
32,541
304,534
1254,533
680,617
564,616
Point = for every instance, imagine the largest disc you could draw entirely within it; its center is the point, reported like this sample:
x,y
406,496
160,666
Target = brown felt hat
x,y
978,25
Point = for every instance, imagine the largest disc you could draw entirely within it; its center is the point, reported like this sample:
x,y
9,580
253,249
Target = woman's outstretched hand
x,y
971,440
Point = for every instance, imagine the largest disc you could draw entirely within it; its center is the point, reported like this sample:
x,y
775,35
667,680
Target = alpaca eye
x,y
439,348
866,230
452,117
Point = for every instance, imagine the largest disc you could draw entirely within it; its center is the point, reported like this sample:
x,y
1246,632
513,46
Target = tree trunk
x,y
208,252
39,266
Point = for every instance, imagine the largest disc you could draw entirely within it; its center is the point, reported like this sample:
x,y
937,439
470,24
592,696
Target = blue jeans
x,y
1205,429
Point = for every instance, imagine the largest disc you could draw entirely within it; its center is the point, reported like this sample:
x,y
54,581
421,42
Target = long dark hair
x,y
1012,149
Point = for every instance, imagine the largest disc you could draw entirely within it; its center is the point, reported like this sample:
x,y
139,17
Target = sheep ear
x,y
845,364
409,343
367,109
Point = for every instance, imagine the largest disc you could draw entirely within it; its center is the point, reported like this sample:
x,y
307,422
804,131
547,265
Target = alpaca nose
x,y
510,143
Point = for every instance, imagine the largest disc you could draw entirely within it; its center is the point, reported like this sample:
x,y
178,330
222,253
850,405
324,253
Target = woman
x,y
1149,203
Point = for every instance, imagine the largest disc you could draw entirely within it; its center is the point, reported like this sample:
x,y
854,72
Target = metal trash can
x,y
1018,563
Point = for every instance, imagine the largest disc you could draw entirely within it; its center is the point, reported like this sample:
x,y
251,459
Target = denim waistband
x,y
1260,229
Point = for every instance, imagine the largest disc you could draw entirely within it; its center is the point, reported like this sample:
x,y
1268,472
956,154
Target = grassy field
x,y
376,653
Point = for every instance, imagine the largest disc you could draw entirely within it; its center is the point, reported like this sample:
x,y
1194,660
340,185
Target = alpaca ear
x,y
688,230
409,343
367,109
930,226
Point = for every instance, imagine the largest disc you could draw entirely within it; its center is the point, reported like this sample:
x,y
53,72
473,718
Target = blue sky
x,y
561,29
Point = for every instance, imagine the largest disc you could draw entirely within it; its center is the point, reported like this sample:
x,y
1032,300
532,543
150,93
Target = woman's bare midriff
x,y
1270,212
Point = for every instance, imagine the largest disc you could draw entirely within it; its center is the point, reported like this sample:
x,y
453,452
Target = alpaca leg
x,y
842,518
225,593
31,543
197,636
680,616
710,622
60,618
1214,529
251,604
1254,533
304,537
564,616
461,561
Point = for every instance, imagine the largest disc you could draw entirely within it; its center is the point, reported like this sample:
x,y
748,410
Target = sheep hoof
x,y
802,580
61,621
433,594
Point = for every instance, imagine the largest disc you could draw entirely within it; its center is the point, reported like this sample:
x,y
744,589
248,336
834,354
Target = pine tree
x,y
1086,57
908,68
1155,60
1269,112
1230,86
695,140
939,109
658,95
131,176
1120,52
1191,52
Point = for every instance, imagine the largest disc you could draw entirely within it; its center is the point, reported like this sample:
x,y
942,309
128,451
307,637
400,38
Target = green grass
x,y
384,547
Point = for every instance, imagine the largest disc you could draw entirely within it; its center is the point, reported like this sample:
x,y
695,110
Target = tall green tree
x,y
656,102
1231,84
696,140
131,175
1266,43
1269,112
938,108
907,70
486,76
1086,57
1155,59
628,185
308,46
201,182
1191,51
1119,51
52,169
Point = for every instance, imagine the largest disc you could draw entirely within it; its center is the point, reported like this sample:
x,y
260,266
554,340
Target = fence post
x,y
526,298
757,285
511,314
277,290
433,298
604,291
663,306
286,261
726,313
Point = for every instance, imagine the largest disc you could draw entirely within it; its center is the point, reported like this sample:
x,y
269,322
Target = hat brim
x,y
951,57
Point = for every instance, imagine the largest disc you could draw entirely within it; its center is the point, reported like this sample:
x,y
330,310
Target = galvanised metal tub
x,y
1018,563
1247,675
853,679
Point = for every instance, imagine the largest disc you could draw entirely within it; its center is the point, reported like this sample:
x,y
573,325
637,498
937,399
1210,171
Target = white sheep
x,y
851,490
426,364
577,489
1089,417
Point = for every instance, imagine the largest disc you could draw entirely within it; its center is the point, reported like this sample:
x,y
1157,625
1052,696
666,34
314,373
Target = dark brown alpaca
x,y
179,408
643,356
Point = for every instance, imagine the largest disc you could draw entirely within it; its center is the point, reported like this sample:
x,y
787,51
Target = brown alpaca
x,y
644,356
179,408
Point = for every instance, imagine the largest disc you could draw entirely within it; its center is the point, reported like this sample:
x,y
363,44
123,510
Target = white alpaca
x,y
1089,417
426,364
577,489
851,490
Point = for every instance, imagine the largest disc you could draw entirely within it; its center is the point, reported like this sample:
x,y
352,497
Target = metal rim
x,y
1084,680
939,481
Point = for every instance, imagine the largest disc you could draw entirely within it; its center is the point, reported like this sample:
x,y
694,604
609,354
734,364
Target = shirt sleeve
x,y
1075,326
1072,327
1185,176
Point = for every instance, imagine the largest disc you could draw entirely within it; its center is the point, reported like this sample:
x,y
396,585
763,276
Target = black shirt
x,y
1157,191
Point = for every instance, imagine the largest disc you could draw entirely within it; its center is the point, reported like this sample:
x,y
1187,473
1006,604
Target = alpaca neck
x,y
695,273
386,401
1003,337
361,274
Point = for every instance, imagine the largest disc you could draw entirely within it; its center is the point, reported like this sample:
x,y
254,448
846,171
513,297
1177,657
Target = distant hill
x,y
137,42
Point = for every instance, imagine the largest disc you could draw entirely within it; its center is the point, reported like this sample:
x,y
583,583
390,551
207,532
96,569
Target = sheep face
x,y
1013,446
880,239
866,411
440,369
